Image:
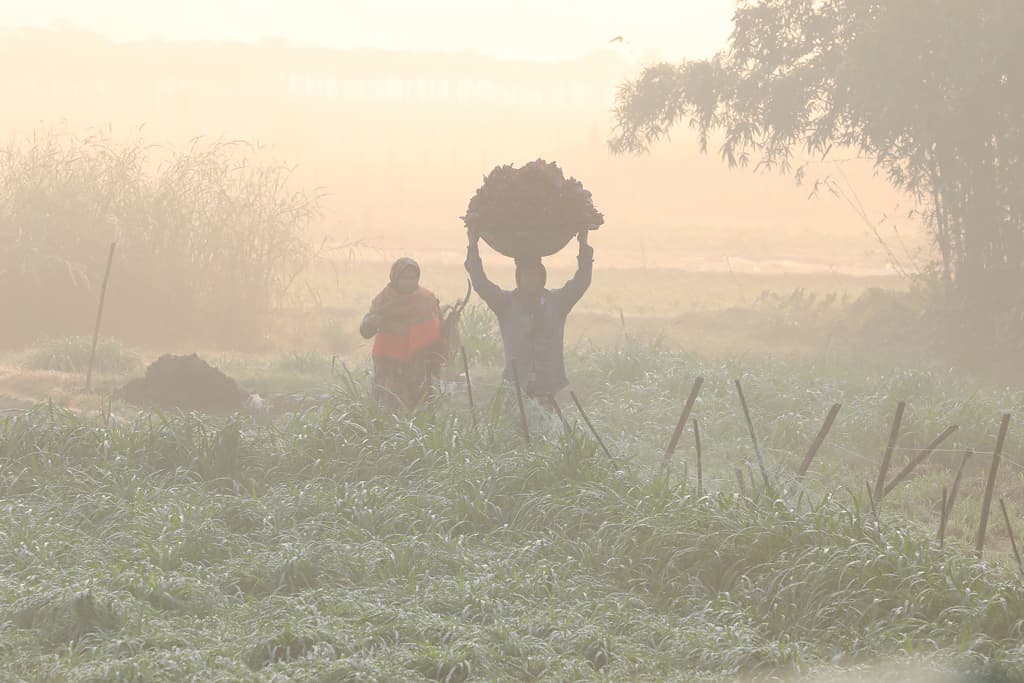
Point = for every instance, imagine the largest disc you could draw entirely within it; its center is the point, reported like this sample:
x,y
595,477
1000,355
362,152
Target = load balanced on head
x,y
527,213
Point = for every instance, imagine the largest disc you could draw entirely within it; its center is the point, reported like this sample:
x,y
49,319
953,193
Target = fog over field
x,y
549,340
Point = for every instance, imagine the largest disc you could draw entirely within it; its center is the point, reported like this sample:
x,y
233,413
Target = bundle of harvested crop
x,y
531,211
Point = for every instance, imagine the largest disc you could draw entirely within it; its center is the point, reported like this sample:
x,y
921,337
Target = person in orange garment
x,y
405,320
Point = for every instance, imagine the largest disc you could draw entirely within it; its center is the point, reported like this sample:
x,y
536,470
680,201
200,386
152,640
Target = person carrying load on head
x,y
532,317
405,322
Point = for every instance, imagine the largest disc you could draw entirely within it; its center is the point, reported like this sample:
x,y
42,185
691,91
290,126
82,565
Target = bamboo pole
x,y
871,499
600,441
700,470
469,383
753,435
894,436
990,486
681,424
921,457
1013,538
943,518
99,317
956,481
819,440
558,412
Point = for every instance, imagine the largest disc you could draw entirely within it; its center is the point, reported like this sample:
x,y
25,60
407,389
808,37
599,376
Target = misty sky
x,y
528,29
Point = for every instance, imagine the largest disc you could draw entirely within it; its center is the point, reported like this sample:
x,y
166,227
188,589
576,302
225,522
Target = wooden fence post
x,y
99,317
990,486
818,440
894,436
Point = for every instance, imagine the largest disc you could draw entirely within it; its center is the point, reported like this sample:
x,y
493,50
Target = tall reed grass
x,y
210,237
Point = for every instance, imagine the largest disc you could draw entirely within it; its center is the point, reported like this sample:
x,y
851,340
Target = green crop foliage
x,y
334,542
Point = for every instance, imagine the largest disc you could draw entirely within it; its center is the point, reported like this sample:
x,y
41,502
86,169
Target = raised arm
x,y
492,294
574,289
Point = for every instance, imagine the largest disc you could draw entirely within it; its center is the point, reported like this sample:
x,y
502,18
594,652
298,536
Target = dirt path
x,y
10,405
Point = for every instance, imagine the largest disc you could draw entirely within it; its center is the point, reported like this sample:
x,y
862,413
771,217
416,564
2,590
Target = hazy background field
x,y
396,141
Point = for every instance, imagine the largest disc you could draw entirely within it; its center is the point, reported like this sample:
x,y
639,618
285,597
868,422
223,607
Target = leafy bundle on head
x,y
531,211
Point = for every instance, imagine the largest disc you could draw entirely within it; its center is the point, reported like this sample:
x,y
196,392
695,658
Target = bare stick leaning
x,y
819,440
700,471
99,317
519,398
956,481
871,499
921,457
600,441
558,412
944,517
1013,538
990,486
753,435
894,436
681,425
469,383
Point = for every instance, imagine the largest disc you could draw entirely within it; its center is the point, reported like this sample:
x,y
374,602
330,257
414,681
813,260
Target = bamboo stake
x,y
819,440
558,412
1013,539
921,457
753,435
700,471
469,383
956,481
871,499
681,425
943,518
99,317
600,441
990,486
894,436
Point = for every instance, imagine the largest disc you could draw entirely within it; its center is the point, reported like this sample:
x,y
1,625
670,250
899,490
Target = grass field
x,y
329,542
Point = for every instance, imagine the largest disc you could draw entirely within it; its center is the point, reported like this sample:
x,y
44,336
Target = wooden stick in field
x,y
956,481
1013,538
943,518
590,425
894,436
753,435
871,499
99,317
921,457
519,398
700,471
558,412
469,383
681,425
990,486
818,440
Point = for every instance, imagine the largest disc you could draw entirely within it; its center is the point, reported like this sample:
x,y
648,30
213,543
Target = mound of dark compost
x,y
532,211
185,383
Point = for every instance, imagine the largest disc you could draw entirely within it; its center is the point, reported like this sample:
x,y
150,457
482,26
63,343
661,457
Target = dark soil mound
x,y
186,383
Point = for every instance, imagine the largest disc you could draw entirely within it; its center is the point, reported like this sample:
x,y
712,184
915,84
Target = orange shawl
x,y
409,324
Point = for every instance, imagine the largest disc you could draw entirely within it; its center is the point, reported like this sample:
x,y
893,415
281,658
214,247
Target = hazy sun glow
x,y
527,29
